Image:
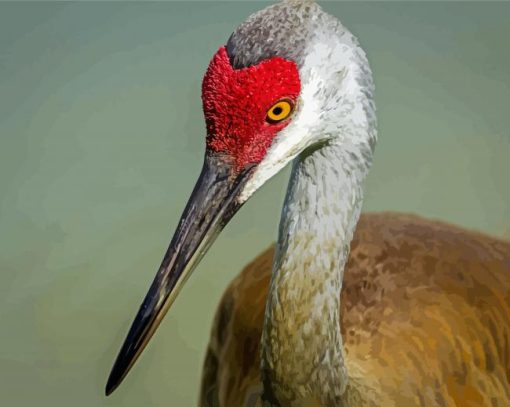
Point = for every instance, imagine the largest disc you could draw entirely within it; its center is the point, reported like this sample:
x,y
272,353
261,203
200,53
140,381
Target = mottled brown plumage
x,y
425,310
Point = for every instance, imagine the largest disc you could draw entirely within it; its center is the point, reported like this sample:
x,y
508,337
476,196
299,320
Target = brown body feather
x,y
425,310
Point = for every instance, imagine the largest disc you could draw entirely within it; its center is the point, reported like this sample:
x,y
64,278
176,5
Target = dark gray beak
x,y
212,204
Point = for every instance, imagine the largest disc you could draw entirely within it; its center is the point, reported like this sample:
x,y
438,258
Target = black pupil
x,y
277,111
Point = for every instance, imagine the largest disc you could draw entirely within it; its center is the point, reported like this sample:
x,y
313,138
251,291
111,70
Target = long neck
x,y
302,352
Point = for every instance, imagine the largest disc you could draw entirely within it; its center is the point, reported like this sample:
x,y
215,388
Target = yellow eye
x,y
279,111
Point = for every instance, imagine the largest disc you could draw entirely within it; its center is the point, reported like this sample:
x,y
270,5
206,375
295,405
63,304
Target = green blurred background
x,y
101,140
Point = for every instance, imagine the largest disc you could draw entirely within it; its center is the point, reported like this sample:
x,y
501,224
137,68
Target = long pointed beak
x,y
212,204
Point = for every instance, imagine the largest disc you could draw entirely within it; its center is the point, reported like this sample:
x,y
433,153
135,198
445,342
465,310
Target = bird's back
x,y
425,312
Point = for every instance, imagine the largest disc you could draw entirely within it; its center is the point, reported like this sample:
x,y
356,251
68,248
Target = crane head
x,y
278,87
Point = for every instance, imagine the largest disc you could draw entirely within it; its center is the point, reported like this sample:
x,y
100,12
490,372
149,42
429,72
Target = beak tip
x,y
111,385
114,380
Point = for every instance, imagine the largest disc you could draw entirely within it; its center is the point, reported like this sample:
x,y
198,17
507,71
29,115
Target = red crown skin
x,y
236,101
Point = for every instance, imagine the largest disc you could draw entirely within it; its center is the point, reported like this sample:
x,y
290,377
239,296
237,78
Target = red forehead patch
x,y
236,102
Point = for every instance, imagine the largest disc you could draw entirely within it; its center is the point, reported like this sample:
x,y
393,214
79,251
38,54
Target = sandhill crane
x,y
392,310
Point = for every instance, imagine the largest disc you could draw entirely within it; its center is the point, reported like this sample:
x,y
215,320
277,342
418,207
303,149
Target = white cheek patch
x,y
288,143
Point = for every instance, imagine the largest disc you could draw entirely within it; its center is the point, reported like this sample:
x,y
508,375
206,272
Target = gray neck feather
x,y
302,344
